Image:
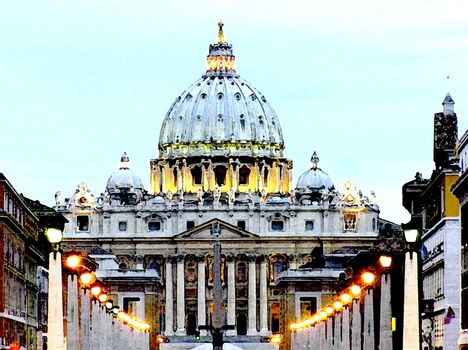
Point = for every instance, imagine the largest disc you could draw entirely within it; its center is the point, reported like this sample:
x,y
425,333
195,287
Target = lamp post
x,y
411,322
386,341
368,279
356,318
55,337
72,262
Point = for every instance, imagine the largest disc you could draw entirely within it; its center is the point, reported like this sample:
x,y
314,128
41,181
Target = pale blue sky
x,y
357,81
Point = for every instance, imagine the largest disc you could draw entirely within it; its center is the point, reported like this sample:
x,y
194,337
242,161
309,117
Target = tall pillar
x,y
73,340
169,329
201,297
231,295
263,299
386,342
85,320
95,323
252,303
356,326
411,326
345,328
337,331
369,336
329,333
55,338
180,296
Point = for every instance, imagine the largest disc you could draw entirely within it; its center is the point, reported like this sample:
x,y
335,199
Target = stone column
x,y
180,296
201,297
368,330
337,331
356,326
95,323
169,298
55,336
73,341
263,299
252,303
329,333
231,295
85,320
411,327
386,342
345,328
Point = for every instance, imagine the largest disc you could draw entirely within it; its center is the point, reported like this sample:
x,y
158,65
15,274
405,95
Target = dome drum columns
x,y
242,174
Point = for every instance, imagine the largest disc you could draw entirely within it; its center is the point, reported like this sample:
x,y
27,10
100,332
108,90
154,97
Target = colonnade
x,y
90,326
254,262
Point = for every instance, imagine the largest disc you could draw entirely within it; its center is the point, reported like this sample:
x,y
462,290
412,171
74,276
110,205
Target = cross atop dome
x,y
314,160
220,58
124,161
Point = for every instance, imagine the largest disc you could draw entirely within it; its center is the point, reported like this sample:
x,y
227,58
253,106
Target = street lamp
x,y
386,341
411,322
55,337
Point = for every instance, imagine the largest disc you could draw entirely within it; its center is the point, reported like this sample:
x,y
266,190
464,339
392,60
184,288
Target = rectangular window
x,y
130,305
82,222
241,224
122,226
190,224
308,307
154,226
349,221
277,225
309,225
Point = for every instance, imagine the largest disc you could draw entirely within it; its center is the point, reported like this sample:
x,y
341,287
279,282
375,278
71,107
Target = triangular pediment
x,y
203,232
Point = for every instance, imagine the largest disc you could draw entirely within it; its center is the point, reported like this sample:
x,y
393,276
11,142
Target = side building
x,y
434,211
460,189
23,273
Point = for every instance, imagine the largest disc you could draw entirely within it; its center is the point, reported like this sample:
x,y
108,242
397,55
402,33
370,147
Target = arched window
x,y
241,272
174,172
196,175
265,176
155,266
123,266
220,175
278,267
244,174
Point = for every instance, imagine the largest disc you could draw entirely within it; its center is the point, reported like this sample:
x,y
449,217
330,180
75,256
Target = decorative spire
x,y
448,104
124,161
220,58
221,39
314,160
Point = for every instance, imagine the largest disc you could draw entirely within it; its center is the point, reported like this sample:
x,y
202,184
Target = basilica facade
x,y
221,160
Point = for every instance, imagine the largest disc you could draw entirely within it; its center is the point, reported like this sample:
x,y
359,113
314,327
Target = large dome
x,y
221,113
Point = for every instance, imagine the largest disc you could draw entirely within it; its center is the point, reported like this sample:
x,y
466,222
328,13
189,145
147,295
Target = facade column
x,y
356,326
263,298
73,341
169,317
369,338
201,297
252,303
180,296
85,320
231,295
386,342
